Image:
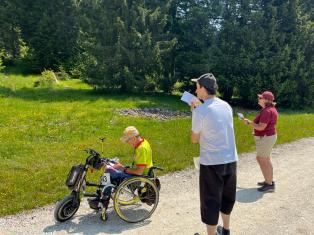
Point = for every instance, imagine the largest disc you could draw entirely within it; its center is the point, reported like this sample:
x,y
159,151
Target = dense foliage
x,y
138,45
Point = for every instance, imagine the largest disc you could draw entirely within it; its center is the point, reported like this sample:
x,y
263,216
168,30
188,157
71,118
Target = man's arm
x,y
197,120
118,166
195,137
138,170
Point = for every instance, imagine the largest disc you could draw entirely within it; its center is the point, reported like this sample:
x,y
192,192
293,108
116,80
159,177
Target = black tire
x,y
66,208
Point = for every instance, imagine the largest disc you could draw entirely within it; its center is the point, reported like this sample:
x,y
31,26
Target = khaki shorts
x,y
264,145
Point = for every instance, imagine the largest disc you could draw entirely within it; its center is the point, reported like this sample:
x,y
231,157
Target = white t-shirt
x,y
213,120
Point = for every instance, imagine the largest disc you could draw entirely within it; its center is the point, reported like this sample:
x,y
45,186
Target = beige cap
x,y
129,133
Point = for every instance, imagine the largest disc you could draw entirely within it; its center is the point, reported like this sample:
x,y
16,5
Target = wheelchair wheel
x,y
136,199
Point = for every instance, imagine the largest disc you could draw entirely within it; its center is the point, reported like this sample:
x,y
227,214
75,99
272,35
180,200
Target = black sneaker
x,y
262,183
222,231
98,204
267,188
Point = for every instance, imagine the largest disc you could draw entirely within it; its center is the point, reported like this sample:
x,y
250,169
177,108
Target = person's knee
x,y
263,160
210,212
258,159
227,206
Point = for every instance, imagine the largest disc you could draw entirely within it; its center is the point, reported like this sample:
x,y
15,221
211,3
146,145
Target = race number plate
x,y
105,179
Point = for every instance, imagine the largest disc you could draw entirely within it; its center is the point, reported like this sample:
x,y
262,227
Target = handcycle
x,y
134,199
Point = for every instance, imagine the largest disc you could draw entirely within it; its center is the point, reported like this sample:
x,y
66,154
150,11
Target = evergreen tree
x,y
194,30
10,32
129,42
50,29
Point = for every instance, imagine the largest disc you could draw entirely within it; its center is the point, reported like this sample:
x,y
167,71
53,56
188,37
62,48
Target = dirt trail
x,y
287,211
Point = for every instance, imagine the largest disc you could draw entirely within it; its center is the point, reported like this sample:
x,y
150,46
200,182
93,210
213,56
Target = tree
x,y
10,32
124,48
193,29
50,29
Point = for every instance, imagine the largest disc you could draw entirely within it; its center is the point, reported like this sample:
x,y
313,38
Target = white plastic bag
x,y
196,161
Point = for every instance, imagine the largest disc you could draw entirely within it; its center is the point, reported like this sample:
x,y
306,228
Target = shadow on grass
x,y
70,94
91,224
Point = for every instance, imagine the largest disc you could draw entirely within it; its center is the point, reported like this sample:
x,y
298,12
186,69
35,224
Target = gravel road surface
x,y
287,211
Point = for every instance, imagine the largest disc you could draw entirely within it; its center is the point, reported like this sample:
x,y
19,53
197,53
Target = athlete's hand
x,y
195,103
118,166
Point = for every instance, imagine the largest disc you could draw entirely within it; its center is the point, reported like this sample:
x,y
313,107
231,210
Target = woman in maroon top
x,y
265,136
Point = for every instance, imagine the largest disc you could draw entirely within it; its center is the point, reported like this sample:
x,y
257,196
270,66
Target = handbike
x,y
134,199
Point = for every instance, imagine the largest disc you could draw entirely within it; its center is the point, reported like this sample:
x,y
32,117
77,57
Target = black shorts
x,y
217,191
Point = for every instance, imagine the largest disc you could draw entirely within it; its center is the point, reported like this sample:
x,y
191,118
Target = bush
x,y
177,88
62,75
48,79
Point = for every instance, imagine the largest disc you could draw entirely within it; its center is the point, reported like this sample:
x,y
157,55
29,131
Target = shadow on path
x,y
91,224
248,195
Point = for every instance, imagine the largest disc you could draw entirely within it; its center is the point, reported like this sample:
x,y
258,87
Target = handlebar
x,y
92,152
94,159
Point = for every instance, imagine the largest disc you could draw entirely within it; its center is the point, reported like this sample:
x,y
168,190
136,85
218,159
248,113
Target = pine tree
x,y
50,29
129,42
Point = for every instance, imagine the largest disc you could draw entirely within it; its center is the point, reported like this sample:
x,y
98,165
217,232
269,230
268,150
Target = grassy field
x,y
43,132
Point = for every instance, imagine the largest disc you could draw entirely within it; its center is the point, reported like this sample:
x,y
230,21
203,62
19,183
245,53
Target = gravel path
x,y
287,211
155,113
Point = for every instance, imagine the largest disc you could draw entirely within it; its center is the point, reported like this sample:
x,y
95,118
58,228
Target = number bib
x,y
105,179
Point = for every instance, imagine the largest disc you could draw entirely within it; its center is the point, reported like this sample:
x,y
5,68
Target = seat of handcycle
x,y
151,170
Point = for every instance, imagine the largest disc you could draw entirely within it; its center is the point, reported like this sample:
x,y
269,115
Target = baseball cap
x,y
267,95
208,81
129,133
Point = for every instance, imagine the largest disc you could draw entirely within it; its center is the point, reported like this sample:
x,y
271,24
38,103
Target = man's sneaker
x,y
267,188
222,231
262,183
97,203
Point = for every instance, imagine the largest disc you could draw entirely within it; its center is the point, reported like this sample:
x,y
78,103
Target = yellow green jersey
x,y
143,155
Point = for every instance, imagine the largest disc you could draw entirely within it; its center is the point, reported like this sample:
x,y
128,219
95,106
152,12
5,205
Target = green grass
x,y
43,132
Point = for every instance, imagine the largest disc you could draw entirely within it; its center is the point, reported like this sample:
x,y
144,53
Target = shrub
x,y
62,75
48,79
177,88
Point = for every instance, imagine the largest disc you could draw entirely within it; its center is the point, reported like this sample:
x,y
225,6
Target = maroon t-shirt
x,y
269,116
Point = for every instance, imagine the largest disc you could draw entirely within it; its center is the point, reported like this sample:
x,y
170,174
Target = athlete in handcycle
x,y
135,190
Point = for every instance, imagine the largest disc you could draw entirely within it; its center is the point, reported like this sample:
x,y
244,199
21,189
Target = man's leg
x,y
211,186
228,196
225,220
211,229
118,175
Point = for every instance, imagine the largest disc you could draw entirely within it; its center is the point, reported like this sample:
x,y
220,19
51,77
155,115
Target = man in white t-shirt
x,y
212,128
